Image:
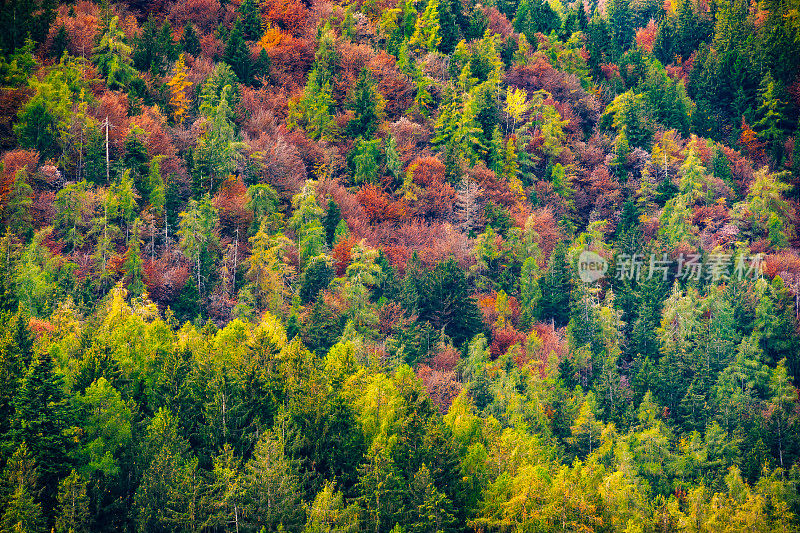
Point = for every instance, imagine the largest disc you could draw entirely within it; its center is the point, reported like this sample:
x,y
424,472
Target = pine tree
x,y
393,165
556,288
17,214
16,353
619,16
8,256
313,111
251,19
530,292
21,513
198,237
224,496
42,418
534,17
133,262
770,119
783,397
364,104
113,56
168,496
271,487
316,277
153,49
427,30
237,54
444,301
25,19
333,215
365,161
190,42
451,21
721,169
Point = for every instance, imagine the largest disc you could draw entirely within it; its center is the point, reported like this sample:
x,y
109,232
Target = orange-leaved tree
x,y
178,87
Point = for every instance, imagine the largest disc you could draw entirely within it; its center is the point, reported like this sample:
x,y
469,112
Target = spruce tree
x,y
333,215
21,512
8,257
190,42
237,54
251,19
364,104
73,505
556,288
42,418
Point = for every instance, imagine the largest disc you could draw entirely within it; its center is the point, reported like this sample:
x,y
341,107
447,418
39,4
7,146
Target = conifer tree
x,y
556,288
198,237
427,30
21,512
364,103
178,85
113,56
190,42
73,505
17,214
251,19
42,419
133,262
237,54
333,215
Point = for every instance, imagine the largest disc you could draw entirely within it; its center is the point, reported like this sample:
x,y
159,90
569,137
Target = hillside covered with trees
x,y
420,266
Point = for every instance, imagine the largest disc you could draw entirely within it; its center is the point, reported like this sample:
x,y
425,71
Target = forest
x,y
400,266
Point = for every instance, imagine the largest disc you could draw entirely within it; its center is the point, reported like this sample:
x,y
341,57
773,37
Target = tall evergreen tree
x,y
42,419
237,54
364,104
556,287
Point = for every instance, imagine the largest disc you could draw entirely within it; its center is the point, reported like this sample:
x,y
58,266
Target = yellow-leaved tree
x,y
178,87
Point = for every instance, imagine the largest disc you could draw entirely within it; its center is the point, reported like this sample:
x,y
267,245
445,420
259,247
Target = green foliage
x,y
190,42
443,372
364,102
237,53
113,56
313,111
198,237
154,49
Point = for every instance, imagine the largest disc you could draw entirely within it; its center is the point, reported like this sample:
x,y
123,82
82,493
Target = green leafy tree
x,y
107,425
43,122
22,513
198,237
73,505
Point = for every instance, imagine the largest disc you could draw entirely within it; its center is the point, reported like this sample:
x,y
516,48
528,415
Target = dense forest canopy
x,y
400,266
